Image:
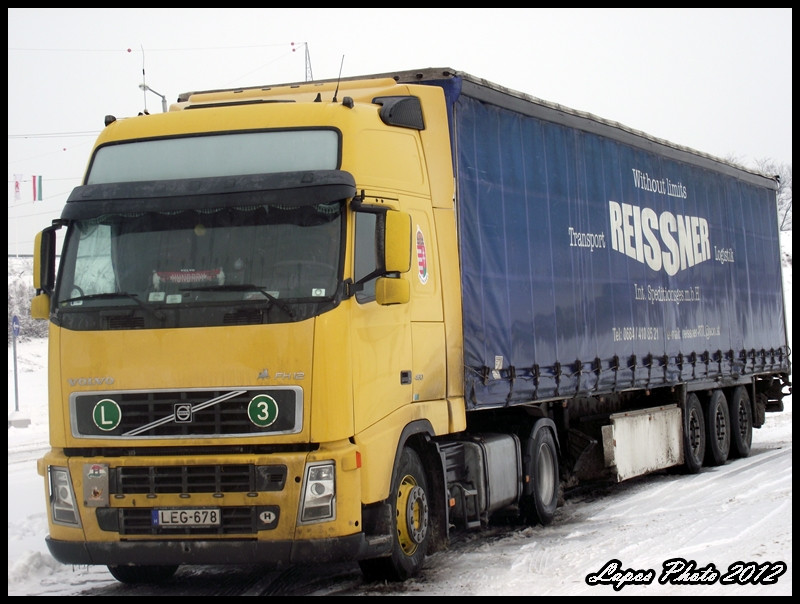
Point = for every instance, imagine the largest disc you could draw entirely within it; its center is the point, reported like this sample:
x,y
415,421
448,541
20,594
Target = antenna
x,y
335,92
144,88
144,81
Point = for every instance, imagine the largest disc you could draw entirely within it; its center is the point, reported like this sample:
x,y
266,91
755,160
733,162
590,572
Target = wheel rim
x,y
544,474
412,515
720,427
695,433
744,423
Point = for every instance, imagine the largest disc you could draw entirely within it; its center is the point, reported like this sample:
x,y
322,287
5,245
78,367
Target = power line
x,y
49,179
56,134
195,49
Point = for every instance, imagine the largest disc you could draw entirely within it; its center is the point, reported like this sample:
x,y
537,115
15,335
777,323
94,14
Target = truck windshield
x,y
263,263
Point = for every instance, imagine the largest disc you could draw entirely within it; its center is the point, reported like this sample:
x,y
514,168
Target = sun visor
x,y
293,189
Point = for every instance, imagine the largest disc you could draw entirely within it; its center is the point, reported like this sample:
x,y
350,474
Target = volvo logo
x,y
91,381
183,413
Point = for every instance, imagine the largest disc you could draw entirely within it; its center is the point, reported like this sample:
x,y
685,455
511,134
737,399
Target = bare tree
x,y
784,174
20,293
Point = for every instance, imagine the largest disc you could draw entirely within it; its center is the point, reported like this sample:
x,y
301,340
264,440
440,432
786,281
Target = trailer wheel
x,y
137,575
718,428
541,499
694,435
741,423
411,524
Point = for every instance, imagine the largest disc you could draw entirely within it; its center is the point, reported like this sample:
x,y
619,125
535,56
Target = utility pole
x,y
309,76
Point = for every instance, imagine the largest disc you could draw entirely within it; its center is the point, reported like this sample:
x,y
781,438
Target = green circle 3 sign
x,y
262,410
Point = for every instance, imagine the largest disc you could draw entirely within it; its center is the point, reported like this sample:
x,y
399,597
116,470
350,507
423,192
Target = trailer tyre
x,y
137,575
694,435
541,500
411,524
718,428
741,423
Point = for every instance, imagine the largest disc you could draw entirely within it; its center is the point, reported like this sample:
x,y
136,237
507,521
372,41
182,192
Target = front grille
x,y
162,480
187,413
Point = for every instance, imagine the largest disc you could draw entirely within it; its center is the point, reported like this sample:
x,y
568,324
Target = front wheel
x,y
411,524
541,493
137,575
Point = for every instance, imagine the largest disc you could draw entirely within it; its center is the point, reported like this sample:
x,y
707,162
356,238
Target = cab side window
x,y
366,256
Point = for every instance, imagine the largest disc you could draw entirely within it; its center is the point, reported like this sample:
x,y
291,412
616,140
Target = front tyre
x,y
138,575
541,493
411,524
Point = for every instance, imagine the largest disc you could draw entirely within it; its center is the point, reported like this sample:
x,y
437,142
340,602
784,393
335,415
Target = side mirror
x,y
44,271
397,245
392,291
40,306
44,260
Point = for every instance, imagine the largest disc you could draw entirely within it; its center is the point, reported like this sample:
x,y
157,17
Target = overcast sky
x,y
718,80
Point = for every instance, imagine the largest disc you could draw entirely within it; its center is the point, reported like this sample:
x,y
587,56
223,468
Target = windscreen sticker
x,y
190,276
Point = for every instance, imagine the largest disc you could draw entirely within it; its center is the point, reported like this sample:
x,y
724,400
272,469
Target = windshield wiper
x,y
109,295
246,287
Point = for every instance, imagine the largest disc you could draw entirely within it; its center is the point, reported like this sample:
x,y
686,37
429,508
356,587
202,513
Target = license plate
x,y
187,517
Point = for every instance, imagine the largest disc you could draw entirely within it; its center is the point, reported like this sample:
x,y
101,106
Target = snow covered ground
x,y
724,531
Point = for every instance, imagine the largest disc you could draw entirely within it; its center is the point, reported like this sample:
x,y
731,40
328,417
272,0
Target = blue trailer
x,y
596,259
622,294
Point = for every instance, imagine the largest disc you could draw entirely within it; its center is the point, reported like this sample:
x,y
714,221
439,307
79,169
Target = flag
x,y
17,179
37,188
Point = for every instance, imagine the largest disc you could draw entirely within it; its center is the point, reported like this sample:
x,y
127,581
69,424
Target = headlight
x,y
62,499
319,493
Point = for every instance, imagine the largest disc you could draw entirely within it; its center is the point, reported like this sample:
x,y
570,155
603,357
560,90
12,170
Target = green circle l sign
x,y
106,414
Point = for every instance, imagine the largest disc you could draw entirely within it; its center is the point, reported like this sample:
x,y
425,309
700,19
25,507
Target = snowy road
x,y
740,512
